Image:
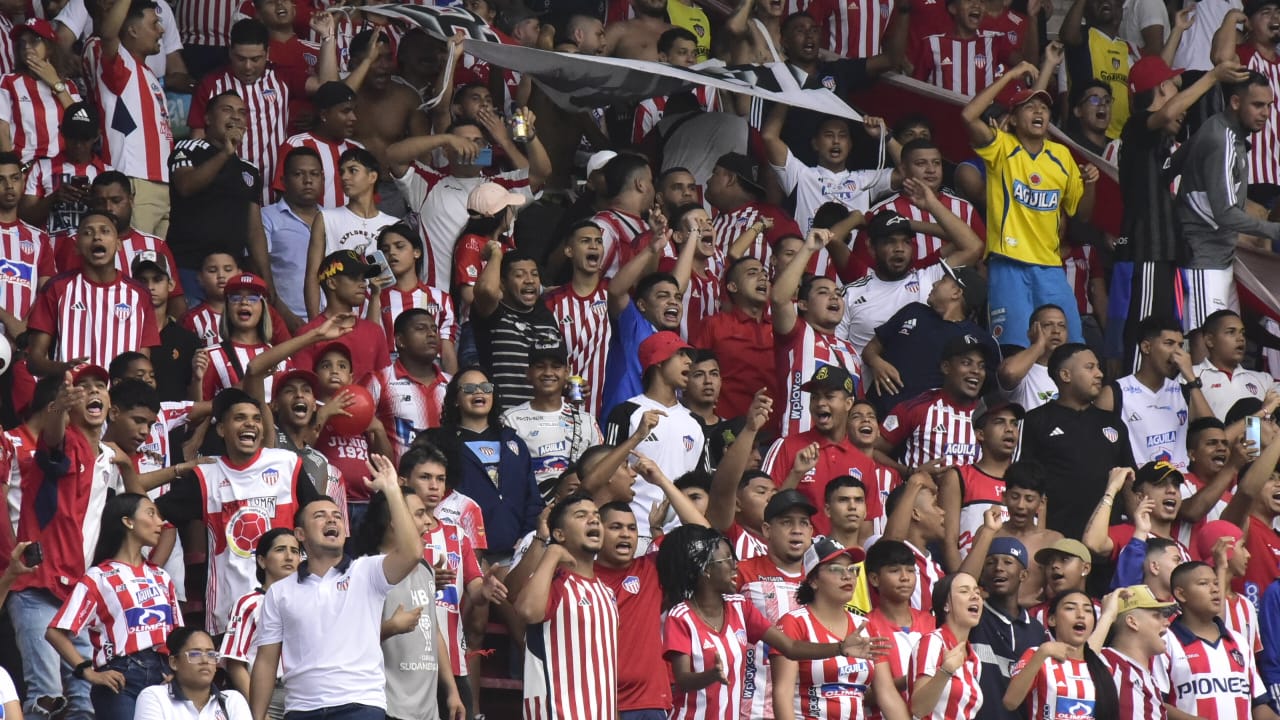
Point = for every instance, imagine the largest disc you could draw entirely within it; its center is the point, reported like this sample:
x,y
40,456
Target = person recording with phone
x,y
57,190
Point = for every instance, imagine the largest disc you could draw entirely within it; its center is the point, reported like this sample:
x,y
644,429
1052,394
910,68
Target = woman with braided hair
x,y
709,626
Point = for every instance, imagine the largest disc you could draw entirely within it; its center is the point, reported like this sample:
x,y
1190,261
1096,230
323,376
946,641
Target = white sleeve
x,y
75,17
789,175
270,624
152,702
8,693
237,706
413,186
369,569
1151,12
171,40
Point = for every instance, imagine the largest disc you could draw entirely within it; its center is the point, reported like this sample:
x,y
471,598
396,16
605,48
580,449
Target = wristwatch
x,y
59,87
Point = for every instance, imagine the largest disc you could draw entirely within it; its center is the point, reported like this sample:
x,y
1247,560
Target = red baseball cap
x,y
285,376
89,370
1149,72
245,282
1021,97
659,348
40,27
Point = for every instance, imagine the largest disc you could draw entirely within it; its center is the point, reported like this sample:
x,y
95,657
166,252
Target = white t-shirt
x,y
75,17
1197,42
345,230
1139,14
869,302
1222,390
676,445
156,703
329,631
1157,421
555,439
814,186
8,693
1035,389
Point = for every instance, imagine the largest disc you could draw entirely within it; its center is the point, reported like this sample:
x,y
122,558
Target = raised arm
x,y
684,507
963,246
1181,22
644,262
406,551
783,292
722,503
488,292
1227,37
109,28
775,150
1073,31
1096,537
980,134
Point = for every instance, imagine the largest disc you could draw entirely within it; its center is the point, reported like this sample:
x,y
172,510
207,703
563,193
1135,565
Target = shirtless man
x,y
1024,499
749,46
421,57
386,111
637,39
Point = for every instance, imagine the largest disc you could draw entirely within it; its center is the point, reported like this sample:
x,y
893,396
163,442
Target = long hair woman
x,y
193,662
246,330
942,681
835,688
38,91
127,605
1064,676
709,626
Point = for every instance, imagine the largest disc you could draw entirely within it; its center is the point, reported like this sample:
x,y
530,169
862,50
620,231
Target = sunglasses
x,y
473,388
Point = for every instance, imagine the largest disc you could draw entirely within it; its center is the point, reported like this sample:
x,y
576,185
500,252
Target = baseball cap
x,y
785,501
888,223
1008,546
150,259
337,346
511,17
39,26
599,160
1254,6
824,550
1149,72
659,348
228,398
285,376
1064,546
346,262
963,344
829,377
556,352
995,402
89,370
1138,597
332,93
1156,472
489,199
245,282
972,283
742,167
79,122
1207,536
1022,97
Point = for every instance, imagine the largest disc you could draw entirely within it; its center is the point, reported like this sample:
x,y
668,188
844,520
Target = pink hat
x,y
1206,537
489,199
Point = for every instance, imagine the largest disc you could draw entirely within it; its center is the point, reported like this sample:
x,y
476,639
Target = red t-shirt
x,y
367,342
642,679
834,460
1263,543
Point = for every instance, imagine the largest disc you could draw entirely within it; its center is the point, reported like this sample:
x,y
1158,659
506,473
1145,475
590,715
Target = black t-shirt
x,y
172,361
217,217
503,340
1149,231
1077,449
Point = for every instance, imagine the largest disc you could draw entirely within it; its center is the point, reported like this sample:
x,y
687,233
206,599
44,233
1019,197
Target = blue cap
x,y
1009,546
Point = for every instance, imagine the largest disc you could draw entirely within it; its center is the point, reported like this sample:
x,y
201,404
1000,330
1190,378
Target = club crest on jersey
x,y
829,83
454,559
1115,63
27,247
1182,417
631,584
1110,434
1236,657
688,443
123,311
247,177
511,445
1252,388
980,61
742,637
270,476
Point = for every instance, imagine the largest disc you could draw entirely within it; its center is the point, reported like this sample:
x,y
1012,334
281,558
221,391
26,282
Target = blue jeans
x,y
140,670
191,286
351,711
1015,289
45,673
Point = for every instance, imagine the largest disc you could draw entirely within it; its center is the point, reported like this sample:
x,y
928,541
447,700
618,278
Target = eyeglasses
x,y
253,299
195,657
1103,100
841,570
473,388
733,561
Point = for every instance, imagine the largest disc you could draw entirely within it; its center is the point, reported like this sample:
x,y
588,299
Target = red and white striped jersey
x,y
207,22
267,102
619,231
962,65
33,114
26,259
460,510
584,324
135,115
434,300
67,256
124,609
772,591
406,405
1009,23
852,28
203,320
1141,696
980,492
448,546
685,633
222,373
154,454
745,544
571,658
928,572
1264,153
729,226
47,175
905,638
6,44
94,321
886,479
701,298
963,695
333,196
926,245
1061,689
933,425
799,355
240,505
831,689
1083,266
1209,680
242,627
1241,618
650,111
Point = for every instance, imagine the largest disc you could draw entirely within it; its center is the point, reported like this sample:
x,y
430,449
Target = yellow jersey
x,y
1026,195
1107,59
693,19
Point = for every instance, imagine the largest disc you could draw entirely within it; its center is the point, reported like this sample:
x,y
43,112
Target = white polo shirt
x,y
329,629
1223,389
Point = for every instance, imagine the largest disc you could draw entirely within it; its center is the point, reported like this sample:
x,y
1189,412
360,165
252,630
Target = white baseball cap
x,y
599,160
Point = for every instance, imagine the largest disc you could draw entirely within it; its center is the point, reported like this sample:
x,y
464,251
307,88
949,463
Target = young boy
x,y
344,277
1066,565
173,365
1023,501
215,270
864,432
890,568
410,392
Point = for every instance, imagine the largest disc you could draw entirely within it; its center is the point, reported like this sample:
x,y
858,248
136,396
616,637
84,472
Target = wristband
x,y
1193,385
78,671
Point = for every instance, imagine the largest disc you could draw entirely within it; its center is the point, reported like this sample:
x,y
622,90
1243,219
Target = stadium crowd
x,y
336,358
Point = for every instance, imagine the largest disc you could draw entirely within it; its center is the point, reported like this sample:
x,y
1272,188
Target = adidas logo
x,y
81,115
78,306
860,300
946,61
1056,432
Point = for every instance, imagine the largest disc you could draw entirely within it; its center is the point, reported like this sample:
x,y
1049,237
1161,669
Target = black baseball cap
x,y
1254,6
79,122
994,402
830,377
1156,472
963,344
786,501
508,19
346,262
973,284
556,352
888,223
744,168
332,93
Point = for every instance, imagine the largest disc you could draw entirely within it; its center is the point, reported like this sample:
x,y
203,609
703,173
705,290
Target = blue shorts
x,y
1015,289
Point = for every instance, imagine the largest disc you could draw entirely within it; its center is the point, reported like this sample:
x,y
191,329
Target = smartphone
x,y
33,555
484,158
385,277
80,181
1253,430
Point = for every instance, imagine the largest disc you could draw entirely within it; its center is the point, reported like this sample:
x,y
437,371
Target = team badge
x,y
688,443
829,83
1252,388
511,445
980,61
123,311
247,177
1034,178
1111,434
271,476
454,559
1115,63
699,30
1237,657
631,584
27,247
